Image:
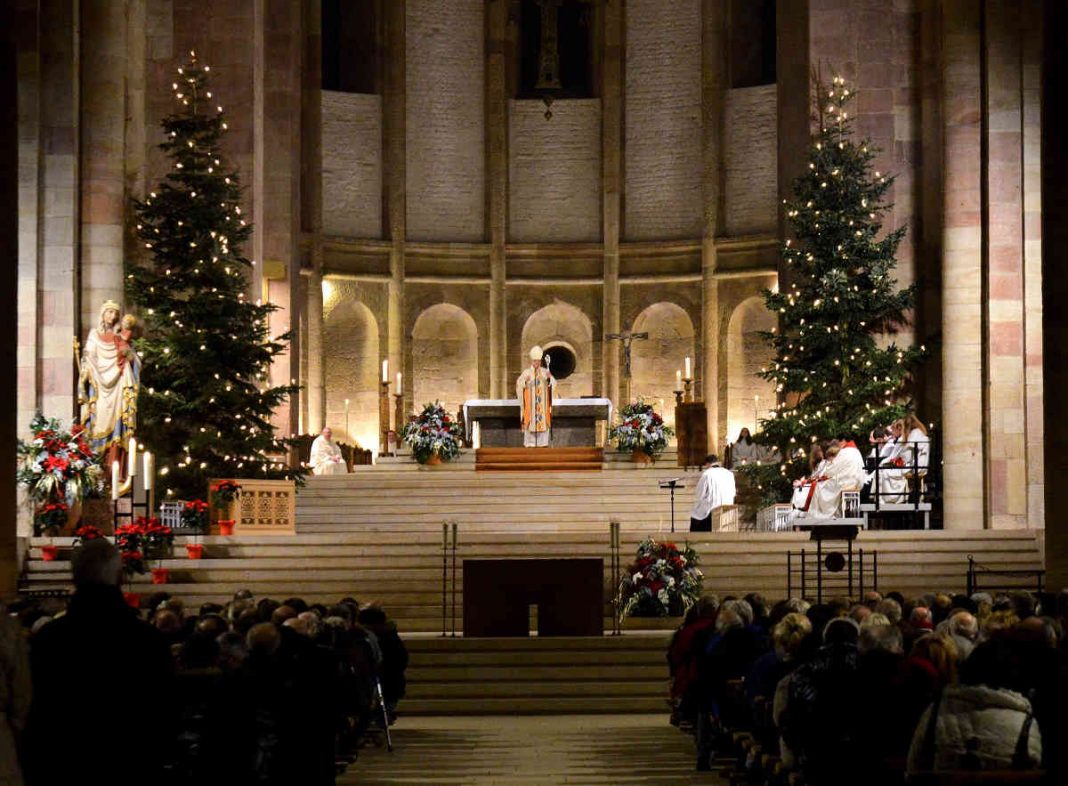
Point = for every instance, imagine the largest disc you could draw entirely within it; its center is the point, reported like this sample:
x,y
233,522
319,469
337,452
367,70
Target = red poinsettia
x,y
52,463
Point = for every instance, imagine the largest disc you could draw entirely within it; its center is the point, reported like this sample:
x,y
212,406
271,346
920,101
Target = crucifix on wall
x,y
626,339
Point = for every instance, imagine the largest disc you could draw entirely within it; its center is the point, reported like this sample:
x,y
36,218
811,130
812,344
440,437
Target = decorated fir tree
x,y
836,368
206,400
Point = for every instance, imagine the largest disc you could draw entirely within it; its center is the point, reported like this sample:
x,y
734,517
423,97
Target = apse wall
x,y
352,164
750,161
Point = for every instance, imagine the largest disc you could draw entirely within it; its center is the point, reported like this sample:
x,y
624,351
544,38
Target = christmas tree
x,y
836,368
206,399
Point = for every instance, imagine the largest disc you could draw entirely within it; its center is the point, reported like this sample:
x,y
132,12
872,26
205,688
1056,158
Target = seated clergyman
x,y
326,458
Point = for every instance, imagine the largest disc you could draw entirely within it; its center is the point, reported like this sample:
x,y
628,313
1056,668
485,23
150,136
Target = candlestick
x,y
688,369
150,466
400,386
678,397
131,455
115,480
678,380
385,371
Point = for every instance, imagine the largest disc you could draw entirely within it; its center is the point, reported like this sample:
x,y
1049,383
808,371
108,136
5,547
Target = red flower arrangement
x,y
86,533
224,492
663,580
144,539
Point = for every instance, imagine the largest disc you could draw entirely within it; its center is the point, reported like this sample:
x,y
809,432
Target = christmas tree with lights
x,y
206,399
836,369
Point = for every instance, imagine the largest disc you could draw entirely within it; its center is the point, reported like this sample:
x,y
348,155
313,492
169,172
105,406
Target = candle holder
x,y
398,415
688,395
383,419
678,397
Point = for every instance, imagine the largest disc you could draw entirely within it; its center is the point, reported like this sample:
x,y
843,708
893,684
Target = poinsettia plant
x,y
86,533
130,541
433,432
195,516
640,428
223,493
158,537
59,469
662,581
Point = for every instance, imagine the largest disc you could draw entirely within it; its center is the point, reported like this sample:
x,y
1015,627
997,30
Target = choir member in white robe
x,y
744,451
715,488
888,484
845,472
805,488
326,458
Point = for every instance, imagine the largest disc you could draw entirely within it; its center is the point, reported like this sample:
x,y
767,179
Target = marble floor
x,y
641,749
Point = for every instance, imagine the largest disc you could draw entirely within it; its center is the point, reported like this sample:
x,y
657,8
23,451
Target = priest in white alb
x,y
326,458
534,389
715,488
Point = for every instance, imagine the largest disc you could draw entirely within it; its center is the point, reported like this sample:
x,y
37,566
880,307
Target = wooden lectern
x,y
691,427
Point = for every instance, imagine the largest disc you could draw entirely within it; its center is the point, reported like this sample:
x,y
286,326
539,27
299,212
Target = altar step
x,y
455,676
539,459
402,569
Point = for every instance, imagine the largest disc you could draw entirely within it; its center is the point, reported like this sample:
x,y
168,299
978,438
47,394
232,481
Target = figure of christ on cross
x,y
626,338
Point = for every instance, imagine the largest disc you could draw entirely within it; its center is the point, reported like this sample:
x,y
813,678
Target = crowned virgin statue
x,y
108,381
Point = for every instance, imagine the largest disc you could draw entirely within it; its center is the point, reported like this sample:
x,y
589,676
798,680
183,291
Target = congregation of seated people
x,y
256,691
880,690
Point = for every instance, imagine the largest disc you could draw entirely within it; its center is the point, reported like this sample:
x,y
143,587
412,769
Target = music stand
x,y
672,484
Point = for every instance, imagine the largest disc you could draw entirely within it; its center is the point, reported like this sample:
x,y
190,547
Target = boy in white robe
x,y
715,488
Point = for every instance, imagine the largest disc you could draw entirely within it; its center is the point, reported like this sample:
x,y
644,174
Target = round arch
x,y
350,368
562,324
655,360
444,347
749,397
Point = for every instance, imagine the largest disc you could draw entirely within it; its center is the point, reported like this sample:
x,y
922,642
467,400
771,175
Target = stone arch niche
x,y
748,396
655,360
561,324
350,360
444,351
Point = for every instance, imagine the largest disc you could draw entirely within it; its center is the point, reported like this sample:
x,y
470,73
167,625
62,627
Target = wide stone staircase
x,y
378,535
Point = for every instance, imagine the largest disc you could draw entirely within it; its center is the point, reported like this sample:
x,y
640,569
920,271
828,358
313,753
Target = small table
x,y
498,594
574,421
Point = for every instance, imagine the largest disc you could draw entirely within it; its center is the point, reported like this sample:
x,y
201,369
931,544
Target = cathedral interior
x,y
441,184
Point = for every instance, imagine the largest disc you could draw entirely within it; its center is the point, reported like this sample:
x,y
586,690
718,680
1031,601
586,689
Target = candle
x,y
678,379
150,466
688,375
346,405
400,387
115,479
385,371
131,455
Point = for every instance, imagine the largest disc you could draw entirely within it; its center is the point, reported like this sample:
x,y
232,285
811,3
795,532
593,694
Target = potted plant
x,y
640,432
433,435
195,520
223,495
663,581
49,519
130,541
158,544
59,470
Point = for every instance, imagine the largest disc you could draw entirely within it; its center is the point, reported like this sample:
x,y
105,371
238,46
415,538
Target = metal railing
x,y
975,571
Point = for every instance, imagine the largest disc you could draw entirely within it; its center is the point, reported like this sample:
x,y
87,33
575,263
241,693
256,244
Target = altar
x,y
574,421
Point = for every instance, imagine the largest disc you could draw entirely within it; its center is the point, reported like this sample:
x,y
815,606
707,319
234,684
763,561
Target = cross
x,y
626,338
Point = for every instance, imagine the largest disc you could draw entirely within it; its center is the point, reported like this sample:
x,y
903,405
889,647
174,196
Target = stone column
x,y
611,193
9,275
497,186
58,322
102,72
394,169
311,202
713,88
965,469
1006,406
28,71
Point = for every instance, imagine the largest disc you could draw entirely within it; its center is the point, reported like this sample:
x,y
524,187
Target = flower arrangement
x,y
223,493
433,433
84,534
661,581
640,429
195,515
59,469
130,541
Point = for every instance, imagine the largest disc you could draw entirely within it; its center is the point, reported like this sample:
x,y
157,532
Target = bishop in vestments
x,y
534,389
326,458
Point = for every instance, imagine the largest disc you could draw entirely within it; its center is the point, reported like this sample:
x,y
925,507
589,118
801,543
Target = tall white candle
x,y
385,370
131,455
400,388
688,375
678,379
115,479
150,468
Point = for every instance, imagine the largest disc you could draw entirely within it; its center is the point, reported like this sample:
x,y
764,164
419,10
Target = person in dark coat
x,y
103,697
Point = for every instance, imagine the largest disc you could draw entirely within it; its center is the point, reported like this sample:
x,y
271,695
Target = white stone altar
x,y
574,421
